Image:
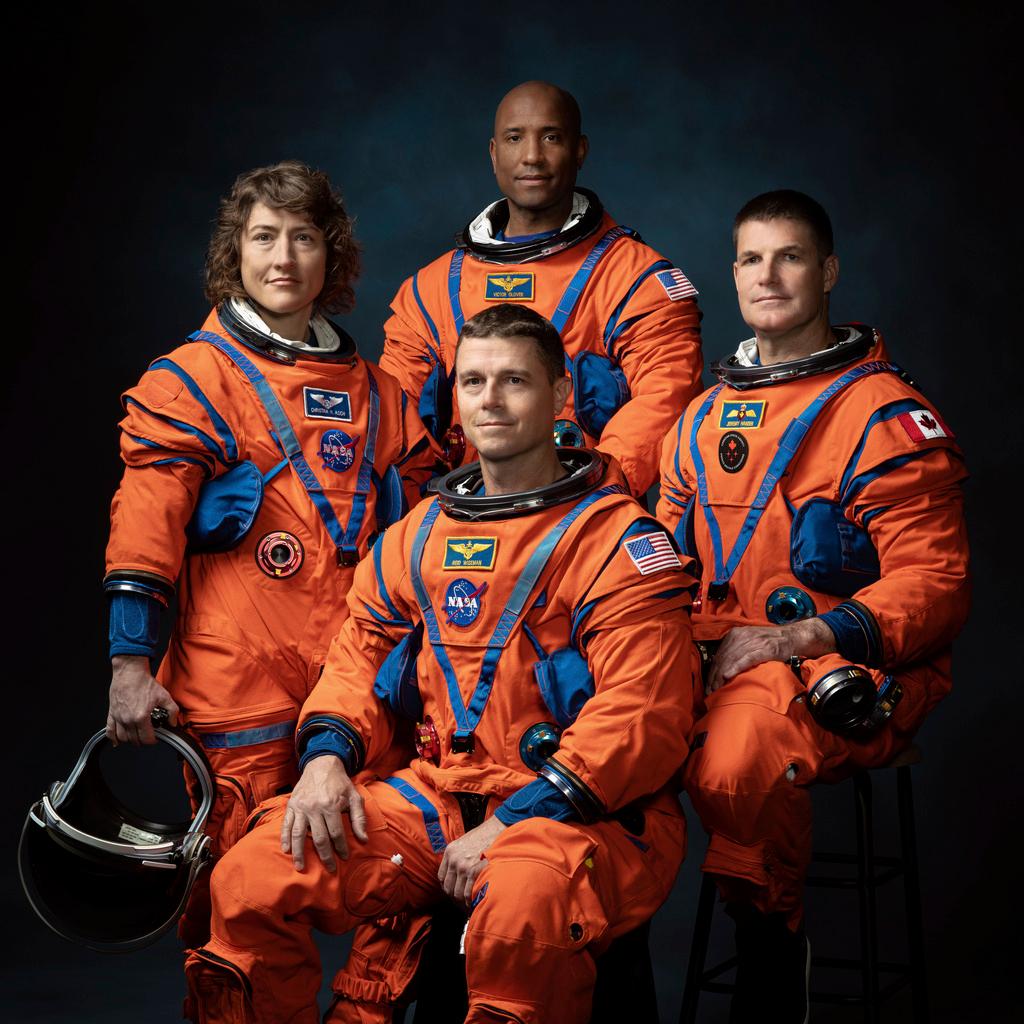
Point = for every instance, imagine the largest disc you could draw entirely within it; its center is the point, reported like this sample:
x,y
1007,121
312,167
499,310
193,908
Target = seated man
x,y
553,695
821,494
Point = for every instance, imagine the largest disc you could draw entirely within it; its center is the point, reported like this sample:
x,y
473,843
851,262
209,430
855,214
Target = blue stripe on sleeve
x,y
431,326
886,412
329,742
431,821
612,329
134,623
856,636
537,799
218,421
186,428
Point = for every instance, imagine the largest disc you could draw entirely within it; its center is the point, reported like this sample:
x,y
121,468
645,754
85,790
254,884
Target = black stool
x,y
872,871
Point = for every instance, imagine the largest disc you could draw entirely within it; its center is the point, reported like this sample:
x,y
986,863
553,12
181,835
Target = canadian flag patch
x,y
923,425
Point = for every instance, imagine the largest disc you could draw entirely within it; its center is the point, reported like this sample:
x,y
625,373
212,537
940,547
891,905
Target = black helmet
x,y
102,874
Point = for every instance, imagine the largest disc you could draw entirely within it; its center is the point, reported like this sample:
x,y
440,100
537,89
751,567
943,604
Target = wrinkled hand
x,y
134,693
464,859
316,805
746,646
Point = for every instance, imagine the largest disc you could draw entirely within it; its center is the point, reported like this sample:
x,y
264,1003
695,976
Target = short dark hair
x,y
788,204
289,185
511,320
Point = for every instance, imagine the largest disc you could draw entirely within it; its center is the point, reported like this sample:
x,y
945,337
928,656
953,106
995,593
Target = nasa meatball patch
x,y
337,450
462,602
652,552
327,405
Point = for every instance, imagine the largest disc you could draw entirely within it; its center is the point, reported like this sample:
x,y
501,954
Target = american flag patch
x,y
676,284
652,552
921,425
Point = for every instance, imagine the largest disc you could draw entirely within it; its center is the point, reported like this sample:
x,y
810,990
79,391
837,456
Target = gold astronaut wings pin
x,y
470,553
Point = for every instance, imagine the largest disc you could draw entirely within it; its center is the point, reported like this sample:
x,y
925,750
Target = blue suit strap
x,y
282,425
702,478
431,819
570,297
517,602
365,479
430,616
788,445
454,286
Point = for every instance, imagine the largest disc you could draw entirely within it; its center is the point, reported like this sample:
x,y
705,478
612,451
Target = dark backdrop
x,y
137,120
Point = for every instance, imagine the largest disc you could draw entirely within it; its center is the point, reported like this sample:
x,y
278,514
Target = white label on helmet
x,y
131,834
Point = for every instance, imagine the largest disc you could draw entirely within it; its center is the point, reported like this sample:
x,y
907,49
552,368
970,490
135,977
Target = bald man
x,y
628,317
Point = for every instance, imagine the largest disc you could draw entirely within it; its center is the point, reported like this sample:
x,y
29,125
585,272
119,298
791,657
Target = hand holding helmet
x,y
134,693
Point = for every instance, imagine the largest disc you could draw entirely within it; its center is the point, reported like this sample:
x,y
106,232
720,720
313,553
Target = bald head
x,y
536,152
530,98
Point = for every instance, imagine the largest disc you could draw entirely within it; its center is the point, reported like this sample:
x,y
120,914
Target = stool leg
x,y
866,891
698,951
912,893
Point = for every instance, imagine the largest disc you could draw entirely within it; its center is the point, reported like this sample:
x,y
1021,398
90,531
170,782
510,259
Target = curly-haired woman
x,y
262,459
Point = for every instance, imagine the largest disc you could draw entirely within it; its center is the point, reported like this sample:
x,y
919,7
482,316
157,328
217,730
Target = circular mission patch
x,y
733,451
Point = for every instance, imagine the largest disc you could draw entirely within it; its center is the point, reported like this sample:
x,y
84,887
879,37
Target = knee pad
x,y
375,887
744,749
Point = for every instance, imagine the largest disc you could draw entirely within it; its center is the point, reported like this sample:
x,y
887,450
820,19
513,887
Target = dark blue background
x,y
136,120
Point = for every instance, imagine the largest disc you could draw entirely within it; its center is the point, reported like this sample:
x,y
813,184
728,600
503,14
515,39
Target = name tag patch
x,y
327,405
652,552
509,288
470,553
741,415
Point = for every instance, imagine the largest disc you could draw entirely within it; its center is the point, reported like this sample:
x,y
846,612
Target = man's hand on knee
x,y
746,646
316,806
464,859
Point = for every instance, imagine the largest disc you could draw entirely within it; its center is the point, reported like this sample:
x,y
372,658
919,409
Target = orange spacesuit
x,y
833,492
556,660
263,552
627,316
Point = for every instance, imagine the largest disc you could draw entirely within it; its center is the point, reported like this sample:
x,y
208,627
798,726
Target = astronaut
x,y
534,621
820,493
628,316
261,459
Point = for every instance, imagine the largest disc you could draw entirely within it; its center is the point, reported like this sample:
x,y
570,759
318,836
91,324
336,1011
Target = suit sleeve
x,y
412,341
630,736
418,456
906,491
343,702
173,439
656,341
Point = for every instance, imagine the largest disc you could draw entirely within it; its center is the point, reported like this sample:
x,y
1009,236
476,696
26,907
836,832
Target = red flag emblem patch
x,y
923,425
